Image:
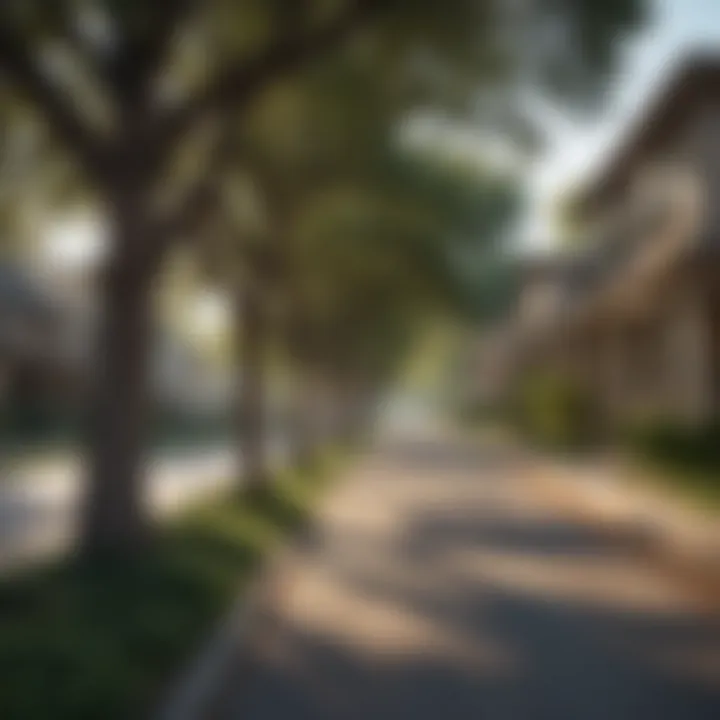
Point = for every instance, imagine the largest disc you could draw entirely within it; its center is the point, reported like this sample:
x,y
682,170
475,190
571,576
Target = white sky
x,y
210,314
577,148
76,240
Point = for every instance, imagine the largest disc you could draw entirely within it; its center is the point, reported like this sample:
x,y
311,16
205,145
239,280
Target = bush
x,y
685,457
556,411
689,456
101,640
688,446
475,413
171,428
37,421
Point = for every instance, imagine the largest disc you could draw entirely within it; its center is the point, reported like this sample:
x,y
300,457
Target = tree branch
x,y
140,57
202,198
23,72
68,28
239,82
197,204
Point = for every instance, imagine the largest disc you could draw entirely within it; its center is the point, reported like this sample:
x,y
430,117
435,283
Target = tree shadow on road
x,y
488,615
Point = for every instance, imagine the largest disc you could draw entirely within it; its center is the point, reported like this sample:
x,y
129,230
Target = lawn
x,y
102,641
699,484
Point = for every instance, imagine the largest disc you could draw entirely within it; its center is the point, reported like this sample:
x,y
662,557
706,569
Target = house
x,y
47,335
634,313
32,375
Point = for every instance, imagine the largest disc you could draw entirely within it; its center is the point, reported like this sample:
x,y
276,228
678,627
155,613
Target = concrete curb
x,y
199,692
199,683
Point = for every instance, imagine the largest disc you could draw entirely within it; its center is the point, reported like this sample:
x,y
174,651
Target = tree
x,y
134,93
296,143
383,263
236,254
116,128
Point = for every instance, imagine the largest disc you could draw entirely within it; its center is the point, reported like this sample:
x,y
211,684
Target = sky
x,y
577,148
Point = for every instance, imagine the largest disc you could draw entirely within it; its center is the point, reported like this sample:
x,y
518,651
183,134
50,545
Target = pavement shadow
x,y
512,617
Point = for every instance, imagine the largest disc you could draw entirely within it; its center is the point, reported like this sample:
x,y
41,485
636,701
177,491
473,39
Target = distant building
x,y
492,364
29,329
634,313
47,334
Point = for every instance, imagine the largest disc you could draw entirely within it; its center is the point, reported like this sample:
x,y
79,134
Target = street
x,y
442,582
38,506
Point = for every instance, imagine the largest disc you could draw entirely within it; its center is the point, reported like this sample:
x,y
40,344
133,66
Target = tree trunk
x,y
114,517
302,431
303,438
344,408
251,338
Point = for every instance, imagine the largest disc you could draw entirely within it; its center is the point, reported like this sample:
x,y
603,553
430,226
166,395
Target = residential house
x,y
634,312
47,334
33,377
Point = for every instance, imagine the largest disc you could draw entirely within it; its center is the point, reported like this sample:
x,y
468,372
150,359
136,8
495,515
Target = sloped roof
x,y
694,80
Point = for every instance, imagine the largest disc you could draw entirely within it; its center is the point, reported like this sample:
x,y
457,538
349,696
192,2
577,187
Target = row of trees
x,y
266,134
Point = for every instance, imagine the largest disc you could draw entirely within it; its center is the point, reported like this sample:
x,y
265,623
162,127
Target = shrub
x,y
101,640
689,456
676,444
556,410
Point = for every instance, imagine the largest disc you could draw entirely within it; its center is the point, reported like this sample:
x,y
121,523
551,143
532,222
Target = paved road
x,y
443,583
38,505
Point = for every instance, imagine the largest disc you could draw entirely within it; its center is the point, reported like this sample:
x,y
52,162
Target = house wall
x,y
702,140
664,365
662,368
687,353
669,192
615,370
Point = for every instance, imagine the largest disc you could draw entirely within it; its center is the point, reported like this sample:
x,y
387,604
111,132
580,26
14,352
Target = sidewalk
x,y
674,529
442,582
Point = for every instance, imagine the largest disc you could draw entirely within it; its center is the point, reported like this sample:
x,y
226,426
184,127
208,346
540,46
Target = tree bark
x,y
303,438
251,339
114,516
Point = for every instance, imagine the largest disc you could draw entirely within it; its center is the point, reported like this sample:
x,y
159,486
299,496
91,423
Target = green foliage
x,y
38,423
473,413
488,287
687,457
556,411
388,60
378,257
102,640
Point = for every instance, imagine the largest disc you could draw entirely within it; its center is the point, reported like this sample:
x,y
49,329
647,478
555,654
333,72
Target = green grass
x,y
699,484
101,641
